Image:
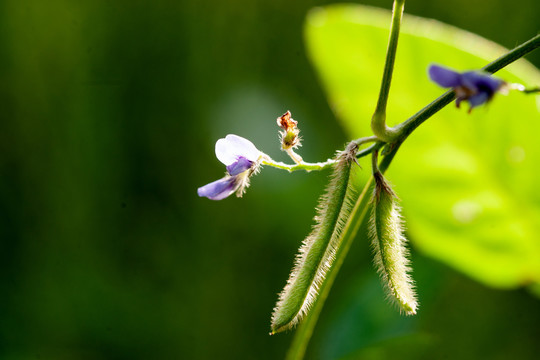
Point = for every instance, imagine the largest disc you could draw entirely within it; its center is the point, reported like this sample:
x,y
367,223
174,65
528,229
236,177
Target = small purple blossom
x,y
473,86
242,159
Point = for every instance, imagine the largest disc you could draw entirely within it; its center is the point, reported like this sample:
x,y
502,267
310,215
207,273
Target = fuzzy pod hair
x,y
389,246
318,250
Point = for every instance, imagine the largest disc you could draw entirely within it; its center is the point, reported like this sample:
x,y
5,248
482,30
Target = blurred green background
x,y
110,113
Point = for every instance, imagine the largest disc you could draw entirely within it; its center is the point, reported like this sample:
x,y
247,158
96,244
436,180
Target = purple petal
x,y
229,149
241,165
219,189
478,99
444,77
482,83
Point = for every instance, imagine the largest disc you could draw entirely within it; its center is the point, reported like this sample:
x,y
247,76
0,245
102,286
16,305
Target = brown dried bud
x,y
289,135
286,122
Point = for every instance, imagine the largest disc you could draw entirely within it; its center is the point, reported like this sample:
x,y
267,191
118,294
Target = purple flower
x,y
242,159
473,86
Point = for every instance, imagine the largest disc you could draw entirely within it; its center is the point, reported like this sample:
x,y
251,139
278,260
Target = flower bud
x,y
289,136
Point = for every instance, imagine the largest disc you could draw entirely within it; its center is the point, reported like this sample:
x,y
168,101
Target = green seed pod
x,y
318,250
389,245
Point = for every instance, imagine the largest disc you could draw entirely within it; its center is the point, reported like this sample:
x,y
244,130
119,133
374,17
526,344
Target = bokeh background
x,y
109,115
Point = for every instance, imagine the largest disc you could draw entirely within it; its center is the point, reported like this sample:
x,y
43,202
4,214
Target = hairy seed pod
x,y
389,246
318,250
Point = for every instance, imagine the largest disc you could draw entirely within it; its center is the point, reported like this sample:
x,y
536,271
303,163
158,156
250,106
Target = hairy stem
x,y
300,166
321,165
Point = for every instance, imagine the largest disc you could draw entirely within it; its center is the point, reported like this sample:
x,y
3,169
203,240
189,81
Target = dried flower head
x,y
289,136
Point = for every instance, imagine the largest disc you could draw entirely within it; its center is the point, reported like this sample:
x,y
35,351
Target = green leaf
x,y
468,182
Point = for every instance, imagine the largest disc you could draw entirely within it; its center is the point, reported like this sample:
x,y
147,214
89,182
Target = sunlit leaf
x,y
468,182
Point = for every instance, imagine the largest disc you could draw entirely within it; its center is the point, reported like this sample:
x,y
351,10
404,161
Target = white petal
x,y
232,146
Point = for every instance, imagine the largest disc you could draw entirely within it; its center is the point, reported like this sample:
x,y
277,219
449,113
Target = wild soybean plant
x,y
341,208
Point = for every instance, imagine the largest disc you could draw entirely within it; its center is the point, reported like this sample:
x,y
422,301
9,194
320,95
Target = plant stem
x,y
378,121
369,150
517,53
300,166
320,165
375,162
366,140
